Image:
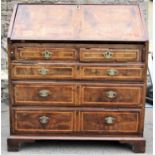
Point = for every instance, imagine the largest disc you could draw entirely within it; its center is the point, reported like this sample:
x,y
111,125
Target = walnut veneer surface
x,y
77,72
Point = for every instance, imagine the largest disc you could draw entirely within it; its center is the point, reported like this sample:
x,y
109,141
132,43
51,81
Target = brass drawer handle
x,y
43,71
44,93
43,119
46,54
111,94
109,120
112,72
107,54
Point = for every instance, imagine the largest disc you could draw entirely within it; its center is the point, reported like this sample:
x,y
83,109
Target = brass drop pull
x,y
46,54
43,119
111,94
109,120
112,72
43,71
107,54
44,93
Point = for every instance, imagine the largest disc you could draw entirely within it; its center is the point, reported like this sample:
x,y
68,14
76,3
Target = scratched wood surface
x,y
60,22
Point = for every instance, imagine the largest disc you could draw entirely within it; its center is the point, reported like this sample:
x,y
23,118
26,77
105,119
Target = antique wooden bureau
x,y
77,72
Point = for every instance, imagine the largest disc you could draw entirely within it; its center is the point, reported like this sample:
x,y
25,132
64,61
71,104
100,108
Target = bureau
x,y
77,72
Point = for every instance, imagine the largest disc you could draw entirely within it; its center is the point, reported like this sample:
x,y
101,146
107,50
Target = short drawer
x,y
110,122
43,71
42,121
110,55
44,94
113,72
40,53
114,95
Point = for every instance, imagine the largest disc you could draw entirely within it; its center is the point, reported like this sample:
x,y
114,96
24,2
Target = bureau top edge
x,y
77,23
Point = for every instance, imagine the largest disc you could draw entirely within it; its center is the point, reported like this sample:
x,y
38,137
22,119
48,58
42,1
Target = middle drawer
x,y
78,71
77,94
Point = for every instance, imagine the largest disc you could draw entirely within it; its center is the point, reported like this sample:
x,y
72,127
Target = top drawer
x,y
110,55
40,53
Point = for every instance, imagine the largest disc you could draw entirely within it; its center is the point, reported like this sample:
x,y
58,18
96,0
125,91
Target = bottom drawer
x,y
43,121
77,120
111,121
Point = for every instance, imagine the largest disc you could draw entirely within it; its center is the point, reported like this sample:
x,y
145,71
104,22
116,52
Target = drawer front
x,y
110,55
111,95
45,121
112,72
44,94
110,121
43,71
38,53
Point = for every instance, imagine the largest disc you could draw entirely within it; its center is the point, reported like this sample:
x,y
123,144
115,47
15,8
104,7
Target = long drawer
x,y
88,53
78,94
103,121
78,71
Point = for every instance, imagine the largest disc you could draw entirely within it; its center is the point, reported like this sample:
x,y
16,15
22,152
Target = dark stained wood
x,y
77,72
14,144
137,146
50,22
137,143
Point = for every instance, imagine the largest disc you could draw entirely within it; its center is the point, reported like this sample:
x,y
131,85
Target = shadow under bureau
x,y
77,72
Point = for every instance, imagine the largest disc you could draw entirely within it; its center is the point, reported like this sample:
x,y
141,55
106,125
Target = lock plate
x,y
47,54
107,54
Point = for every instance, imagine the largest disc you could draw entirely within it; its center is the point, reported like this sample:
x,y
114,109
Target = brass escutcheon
x,y
109,120
44,93
46,54
112,72
43,71
111,94
107,54
43,119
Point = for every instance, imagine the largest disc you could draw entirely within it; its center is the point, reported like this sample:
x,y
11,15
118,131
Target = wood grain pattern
x,y
126,95
124,122
35,53
124,72
118,55
57,94
93,23
64,71
29,121
77,72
